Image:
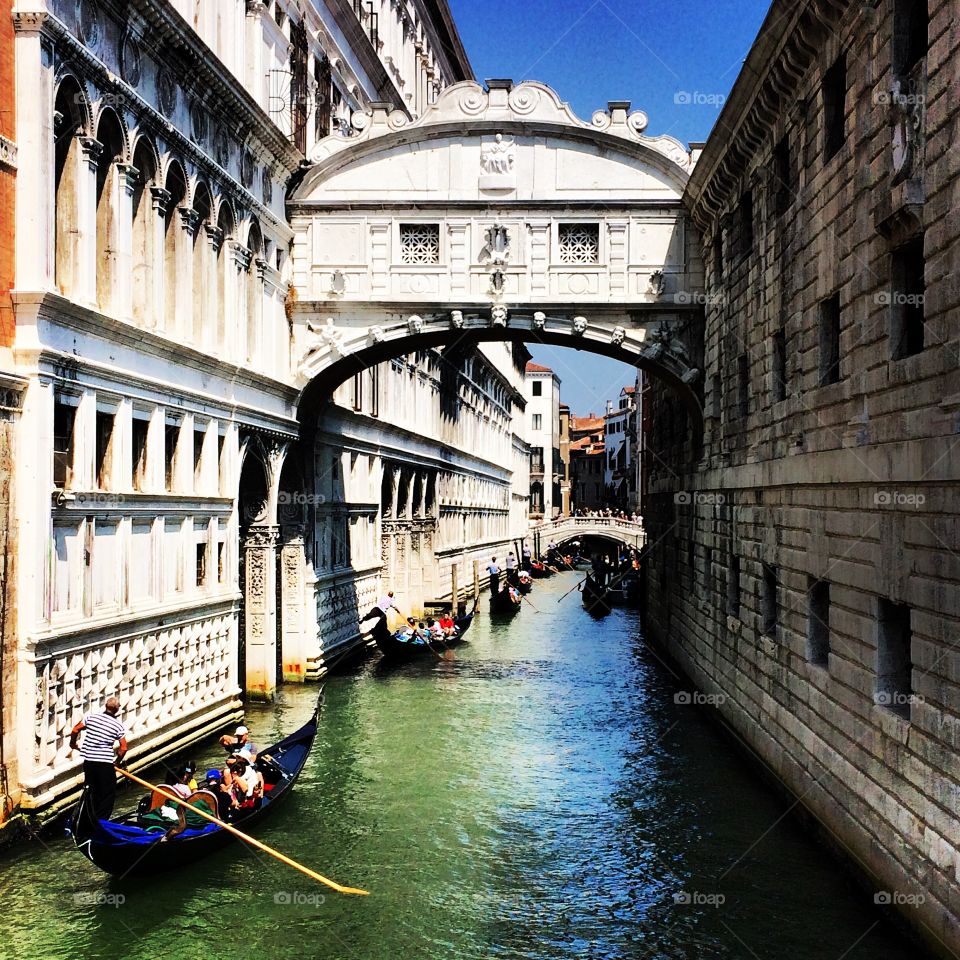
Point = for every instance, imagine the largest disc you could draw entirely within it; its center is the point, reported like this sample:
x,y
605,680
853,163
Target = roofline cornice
x,y
787,45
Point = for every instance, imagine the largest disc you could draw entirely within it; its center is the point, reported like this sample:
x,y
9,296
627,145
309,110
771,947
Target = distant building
x,y
565,487
620,451
542,388
587,462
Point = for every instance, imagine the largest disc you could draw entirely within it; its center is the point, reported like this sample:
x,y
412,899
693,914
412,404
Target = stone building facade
x,y
802,561
542,391
156,144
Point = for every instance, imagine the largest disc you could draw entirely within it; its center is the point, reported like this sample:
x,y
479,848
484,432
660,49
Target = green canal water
x,y
544,795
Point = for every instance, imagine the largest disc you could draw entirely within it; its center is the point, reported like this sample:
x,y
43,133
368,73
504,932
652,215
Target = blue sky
x,y
676,61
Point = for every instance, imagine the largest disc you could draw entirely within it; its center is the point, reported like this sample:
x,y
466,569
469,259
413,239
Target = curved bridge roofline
x,y
567,528
469,109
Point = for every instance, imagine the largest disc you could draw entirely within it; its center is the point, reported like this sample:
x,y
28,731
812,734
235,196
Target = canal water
x,y
547,794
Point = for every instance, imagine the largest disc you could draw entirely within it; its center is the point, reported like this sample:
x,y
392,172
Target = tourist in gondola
x,y
225,800
104,746
236,742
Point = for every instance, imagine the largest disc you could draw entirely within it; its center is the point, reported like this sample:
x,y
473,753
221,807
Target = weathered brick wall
x,y
854,483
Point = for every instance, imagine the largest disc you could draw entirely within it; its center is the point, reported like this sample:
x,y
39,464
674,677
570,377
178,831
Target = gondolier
x,y
493,568
527,554
384,605
101,731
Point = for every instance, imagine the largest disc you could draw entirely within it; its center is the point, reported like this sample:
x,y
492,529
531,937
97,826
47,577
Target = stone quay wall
x,y
803,551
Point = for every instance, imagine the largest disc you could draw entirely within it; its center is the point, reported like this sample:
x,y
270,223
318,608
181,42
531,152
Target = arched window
x,y
254,292
67,127
202,206
227,226
143,255
176,187
110,136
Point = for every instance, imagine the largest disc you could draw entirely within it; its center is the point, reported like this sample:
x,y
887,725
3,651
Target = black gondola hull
x,y
134,858
596,599
394,649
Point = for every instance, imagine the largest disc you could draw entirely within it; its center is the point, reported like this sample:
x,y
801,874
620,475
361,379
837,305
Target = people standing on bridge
x,y
493,568
104,746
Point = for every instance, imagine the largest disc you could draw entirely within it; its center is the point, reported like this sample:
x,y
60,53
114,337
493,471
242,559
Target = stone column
x,y
190,221
294,619
209,333
155,312
126,184
235,346
260,612
85,262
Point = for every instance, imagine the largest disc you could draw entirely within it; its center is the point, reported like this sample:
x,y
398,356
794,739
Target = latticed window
x,y
419,243
579,242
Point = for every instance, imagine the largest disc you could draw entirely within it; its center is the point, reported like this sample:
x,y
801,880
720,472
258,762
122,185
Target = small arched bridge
x,y
563,529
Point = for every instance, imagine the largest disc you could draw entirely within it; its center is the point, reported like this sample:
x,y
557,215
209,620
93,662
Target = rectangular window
x,y
171,440
910,28
104,448
818,622
375,391
779,363
894,662
538,421
830,340
64,421
708,567
907,288
718,256
784,185
743,385
769,611
733,586
221,461
536,388
834,106
420,243
199,436
357,394
221,562
201,564
579,242
536,459
745,222
140,430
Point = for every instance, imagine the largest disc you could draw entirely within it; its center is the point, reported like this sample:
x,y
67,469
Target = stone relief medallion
x,y
166,91
456,319
198,123
267,186
221,147
579,326
88,22
524,100
539,320
130,68
246,168
473,102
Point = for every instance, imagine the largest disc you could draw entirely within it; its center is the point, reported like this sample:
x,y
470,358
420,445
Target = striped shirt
x,y
100,732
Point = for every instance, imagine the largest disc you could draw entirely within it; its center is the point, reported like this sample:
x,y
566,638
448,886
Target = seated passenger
x,y
184,784
237,741
447,625
225,800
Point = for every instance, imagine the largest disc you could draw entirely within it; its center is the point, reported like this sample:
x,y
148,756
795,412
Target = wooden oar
x,y
523,596
229,827
576,586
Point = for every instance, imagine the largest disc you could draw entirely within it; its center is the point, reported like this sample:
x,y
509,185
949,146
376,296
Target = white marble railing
x,y
563,528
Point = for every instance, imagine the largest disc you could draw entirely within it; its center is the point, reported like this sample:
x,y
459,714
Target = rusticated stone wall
x,y
803,562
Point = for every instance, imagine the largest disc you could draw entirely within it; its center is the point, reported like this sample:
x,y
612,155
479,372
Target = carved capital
x,y
262,267
129,177
92,150
160,199
214,236
242,255
189,219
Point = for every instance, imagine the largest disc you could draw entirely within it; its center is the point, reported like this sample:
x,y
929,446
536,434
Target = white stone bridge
x,y
564,529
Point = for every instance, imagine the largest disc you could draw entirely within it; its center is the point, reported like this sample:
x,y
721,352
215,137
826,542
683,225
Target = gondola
x,y
120,846
503,604
540,570
596,599
393,648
